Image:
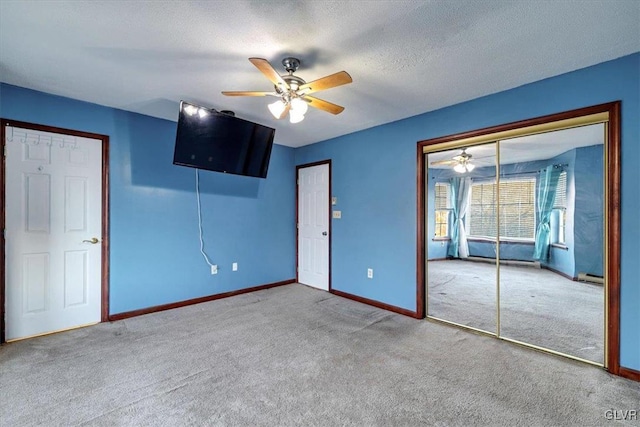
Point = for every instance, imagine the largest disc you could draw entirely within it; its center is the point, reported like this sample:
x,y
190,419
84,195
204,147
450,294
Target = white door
x,y
53,211
313,226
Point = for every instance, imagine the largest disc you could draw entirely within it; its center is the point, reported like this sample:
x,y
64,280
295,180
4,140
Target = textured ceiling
x,y
405,57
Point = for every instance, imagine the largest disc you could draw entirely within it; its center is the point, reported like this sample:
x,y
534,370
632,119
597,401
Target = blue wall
x,y
374,173
374,179
155,252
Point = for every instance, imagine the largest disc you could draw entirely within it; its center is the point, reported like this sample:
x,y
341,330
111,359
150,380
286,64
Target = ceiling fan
x,y
461,163
293,92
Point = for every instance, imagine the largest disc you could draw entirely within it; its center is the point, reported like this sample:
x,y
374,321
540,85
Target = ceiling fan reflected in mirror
x,y
293,92
461,163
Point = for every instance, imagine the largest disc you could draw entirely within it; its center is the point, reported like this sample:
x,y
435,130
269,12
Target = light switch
x,y
334,200
337,214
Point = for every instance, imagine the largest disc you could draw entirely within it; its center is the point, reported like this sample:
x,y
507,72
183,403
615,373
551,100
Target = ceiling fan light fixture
x,y
299,106
460,168
470,167
293,92
295,116
277,108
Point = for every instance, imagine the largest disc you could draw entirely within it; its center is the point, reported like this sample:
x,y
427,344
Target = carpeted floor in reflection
x,y
537,306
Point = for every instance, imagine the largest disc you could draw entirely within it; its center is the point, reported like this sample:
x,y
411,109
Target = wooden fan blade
x,y
269,72
338,79
240,93
285,111
324,105
444,162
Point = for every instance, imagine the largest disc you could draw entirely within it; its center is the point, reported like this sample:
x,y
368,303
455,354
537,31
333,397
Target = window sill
x,y
560,246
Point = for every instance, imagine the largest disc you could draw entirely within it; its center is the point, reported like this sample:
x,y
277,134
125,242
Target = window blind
x,y
517,209
560,201
442,196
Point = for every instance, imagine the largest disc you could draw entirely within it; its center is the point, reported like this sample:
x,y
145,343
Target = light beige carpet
x,y
294,356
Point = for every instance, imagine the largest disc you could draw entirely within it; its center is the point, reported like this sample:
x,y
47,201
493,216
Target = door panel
x,y
37,197
75,278
75,212
462,236
544,301
313,227
53,210
35,275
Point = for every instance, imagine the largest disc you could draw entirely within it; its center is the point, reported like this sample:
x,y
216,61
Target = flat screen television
x,y
216,141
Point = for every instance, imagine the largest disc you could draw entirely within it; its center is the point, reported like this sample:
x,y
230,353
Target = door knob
x,y
93,240
324,233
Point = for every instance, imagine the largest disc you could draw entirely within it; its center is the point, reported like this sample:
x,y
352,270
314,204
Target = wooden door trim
x,y
105,248
308,165
612,167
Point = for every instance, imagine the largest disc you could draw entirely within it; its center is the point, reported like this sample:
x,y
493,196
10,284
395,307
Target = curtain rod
x,y
558,166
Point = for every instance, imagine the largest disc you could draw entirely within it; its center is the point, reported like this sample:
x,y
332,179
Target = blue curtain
x,y
460,201
547,185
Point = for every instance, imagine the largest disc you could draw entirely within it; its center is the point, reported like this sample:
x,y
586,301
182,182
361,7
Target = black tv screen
x,y
215,141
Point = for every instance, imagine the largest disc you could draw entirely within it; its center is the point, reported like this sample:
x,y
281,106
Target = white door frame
x,y
104,309
308,165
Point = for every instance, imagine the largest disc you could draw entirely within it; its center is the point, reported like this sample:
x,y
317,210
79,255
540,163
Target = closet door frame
x,y
609,114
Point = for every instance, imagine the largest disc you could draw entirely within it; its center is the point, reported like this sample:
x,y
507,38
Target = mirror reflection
x,y
534,237
461,277
551,232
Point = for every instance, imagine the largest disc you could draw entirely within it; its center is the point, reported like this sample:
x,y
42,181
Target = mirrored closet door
x,y
552,247
514,237
460,290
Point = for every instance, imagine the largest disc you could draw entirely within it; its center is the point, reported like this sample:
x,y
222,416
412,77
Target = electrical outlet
x,y
337,214
214,269
370,273
234,266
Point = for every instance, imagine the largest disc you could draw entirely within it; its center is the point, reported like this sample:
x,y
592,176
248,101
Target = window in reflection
x,y
442,209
